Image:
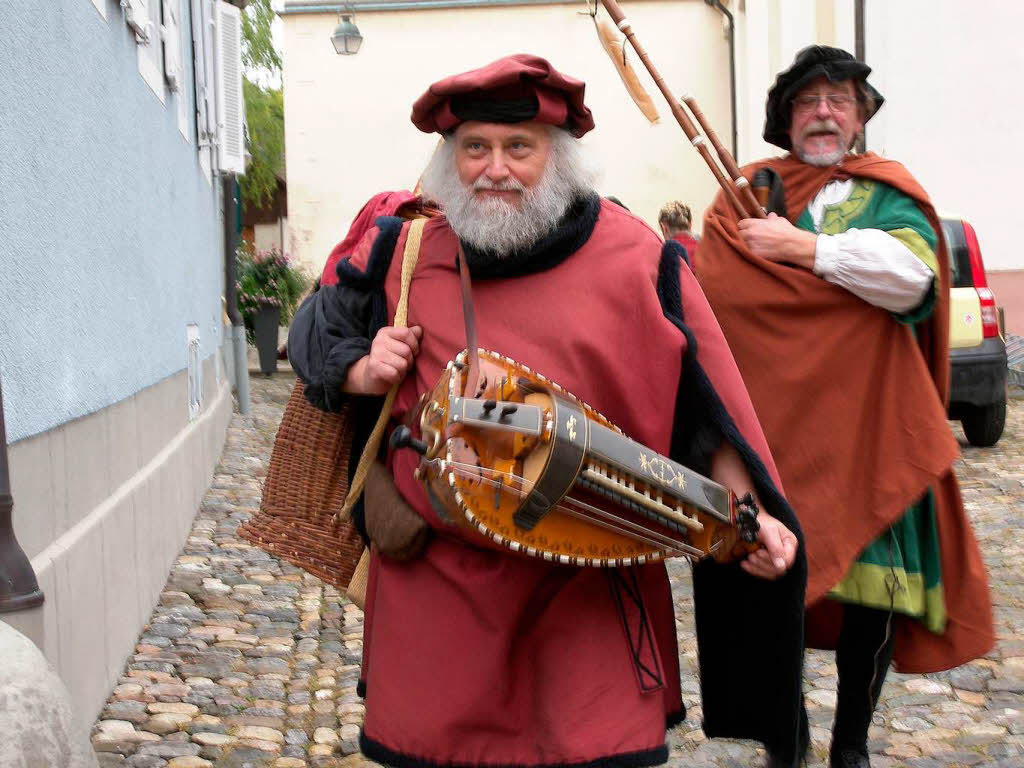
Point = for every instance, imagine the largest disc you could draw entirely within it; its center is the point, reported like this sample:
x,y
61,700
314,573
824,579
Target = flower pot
x,y
265,324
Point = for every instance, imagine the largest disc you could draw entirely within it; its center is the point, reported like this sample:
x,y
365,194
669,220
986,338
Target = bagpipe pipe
x,y
749,199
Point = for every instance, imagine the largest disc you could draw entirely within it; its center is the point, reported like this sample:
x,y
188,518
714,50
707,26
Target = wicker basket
x,y
307,481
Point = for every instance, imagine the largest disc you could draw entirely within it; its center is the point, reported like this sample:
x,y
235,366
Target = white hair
x,y
500,227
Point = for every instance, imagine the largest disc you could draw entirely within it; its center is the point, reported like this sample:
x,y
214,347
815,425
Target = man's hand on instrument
x,y
391,355
777,552
775,239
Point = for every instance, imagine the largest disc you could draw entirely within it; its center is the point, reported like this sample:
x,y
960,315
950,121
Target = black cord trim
x,y
381,754
372,280
643,643
680,251
670,293
380,256
727,600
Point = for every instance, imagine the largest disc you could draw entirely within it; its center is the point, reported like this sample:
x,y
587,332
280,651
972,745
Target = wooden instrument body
x,y
532,468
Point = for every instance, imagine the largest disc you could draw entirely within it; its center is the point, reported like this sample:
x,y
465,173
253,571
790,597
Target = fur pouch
x,y
395,527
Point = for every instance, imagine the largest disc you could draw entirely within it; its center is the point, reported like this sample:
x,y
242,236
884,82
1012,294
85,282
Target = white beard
x,y
822,159
498,226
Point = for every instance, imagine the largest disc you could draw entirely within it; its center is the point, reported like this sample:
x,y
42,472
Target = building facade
x,y
116,398
950,75
348,134
347,129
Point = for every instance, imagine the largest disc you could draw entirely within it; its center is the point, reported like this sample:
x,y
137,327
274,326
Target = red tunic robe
x,y
475,656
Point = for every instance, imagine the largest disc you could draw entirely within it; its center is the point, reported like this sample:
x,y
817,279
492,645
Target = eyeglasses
x,y
837,102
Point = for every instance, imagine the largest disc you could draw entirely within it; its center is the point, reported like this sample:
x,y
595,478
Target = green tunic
x,y
901,568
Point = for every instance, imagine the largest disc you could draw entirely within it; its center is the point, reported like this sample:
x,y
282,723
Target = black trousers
x,y
862,659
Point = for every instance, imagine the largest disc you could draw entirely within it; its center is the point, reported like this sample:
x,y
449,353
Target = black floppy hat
x,y
812,62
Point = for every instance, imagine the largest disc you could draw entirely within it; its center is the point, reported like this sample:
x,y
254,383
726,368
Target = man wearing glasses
x,y
836,310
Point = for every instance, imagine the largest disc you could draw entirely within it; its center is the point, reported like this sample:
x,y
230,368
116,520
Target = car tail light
x,y
989,314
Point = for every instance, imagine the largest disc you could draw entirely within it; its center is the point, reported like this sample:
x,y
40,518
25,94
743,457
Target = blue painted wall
x,y
110,234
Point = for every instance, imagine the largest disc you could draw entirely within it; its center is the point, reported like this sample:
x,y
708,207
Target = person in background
x,y
838,319
675,220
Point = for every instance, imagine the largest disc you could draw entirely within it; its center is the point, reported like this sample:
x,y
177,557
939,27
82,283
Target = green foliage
x,y
267,278
264,106
258,50
264,110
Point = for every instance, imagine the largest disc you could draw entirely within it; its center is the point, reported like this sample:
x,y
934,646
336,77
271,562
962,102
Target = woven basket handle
x,y
409,257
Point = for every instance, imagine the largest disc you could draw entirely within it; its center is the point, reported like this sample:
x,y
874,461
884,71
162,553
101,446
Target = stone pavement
x,y
247,662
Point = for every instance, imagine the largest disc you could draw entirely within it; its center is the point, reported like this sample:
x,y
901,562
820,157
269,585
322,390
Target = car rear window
x,y
959,261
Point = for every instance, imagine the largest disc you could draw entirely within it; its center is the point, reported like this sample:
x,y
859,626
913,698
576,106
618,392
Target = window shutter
x,y
209,30
230,103
202,46
137,16
171,34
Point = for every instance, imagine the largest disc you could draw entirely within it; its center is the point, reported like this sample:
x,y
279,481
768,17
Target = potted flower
x,y
269,289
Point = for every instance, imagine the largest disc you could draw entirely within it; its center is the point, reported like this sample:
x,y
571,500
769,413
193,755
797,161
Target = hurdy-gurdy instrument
x,y
531,467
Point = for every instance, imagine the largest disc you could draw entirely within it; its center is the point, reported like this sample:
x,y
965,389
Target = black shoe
x,y
773,761
849,758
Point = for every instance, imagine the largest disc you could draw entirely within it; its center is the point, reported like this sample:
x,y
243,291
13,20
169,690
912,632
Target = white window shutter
x,y
171,34
203,29
230,101
200,31
209,8
138,18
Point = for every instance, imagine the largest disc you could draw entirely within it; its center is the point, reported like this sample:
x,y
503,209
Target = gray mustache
x,y
498,186
819,126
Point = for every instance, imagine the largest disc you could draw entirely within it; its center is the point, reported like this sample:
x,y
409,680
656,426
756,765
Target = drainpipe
x,y
19,589
858,27
732,71
241,362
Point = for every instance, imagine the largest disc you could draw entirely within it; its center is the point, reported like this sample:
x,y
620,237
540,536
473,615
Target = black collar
x,y
571,233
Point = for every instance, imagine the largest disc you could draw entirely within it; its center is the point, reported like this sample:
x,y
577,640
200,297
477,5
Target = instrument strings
x,y
580,509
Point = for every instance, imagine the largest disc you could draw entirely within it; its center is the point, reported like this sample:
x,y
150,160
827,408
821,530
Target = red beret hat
x,y
510,90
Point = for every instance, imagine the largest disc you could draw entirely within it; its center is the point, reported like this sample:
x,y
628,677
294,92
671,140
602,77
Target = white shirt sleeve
x,y
874,266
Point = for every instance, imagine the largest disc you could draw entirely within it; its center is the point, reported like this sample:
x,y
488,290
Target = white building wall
x,y
348,133
943,66
950,73
757,58
269,236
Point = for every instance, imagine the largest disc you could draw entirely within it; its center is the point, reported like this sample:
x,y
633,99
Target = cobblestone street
x,y
249,662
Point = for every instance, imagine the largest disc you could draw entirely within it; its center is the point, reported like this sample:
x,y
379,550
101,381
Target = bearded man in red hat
x,y
473,655
838,317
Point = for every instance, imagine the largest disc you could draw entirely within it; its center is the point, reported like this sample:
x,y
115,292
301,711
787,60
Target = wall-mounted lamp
x,y
346,37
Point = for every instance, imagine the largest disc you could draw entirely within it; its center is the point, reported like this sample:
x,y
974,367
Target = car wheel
x,y
983,424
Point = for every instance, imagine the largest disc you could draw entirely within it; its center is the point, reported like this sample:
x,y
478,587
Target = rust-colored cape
x,y
854,409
